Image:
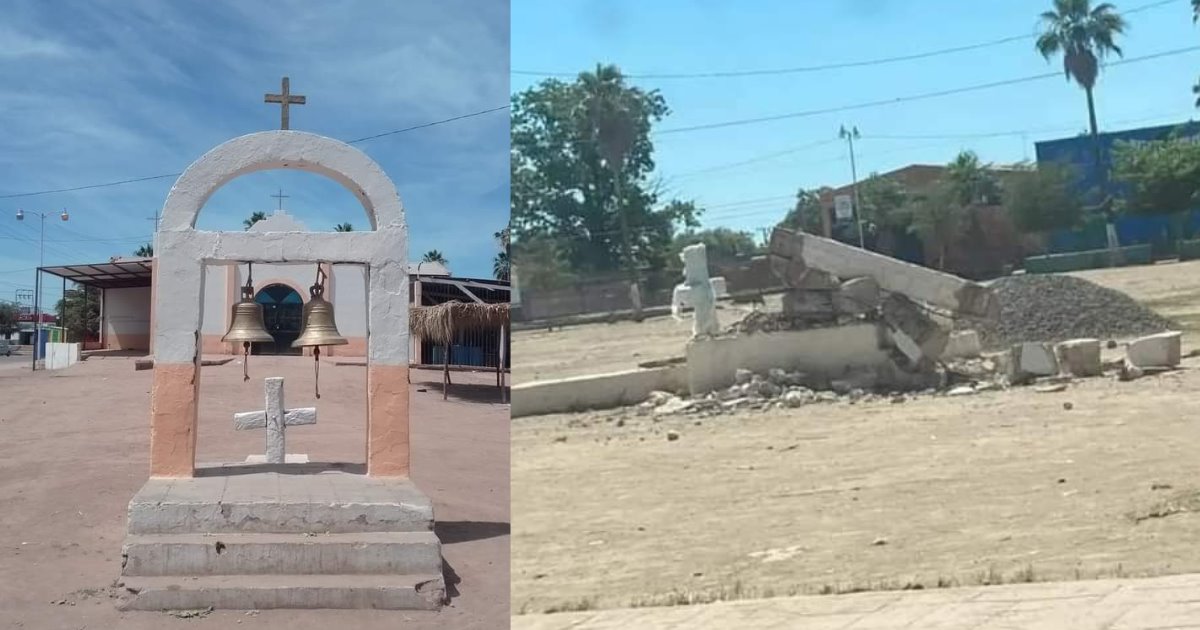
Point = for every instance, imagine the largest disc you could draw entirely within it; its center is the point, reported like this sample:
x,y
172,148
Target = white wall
x,y
127,317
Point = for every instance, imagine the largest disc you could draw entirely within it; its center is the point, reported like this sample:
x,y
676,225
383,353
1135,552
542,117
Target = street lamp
x,y
850,135
37,281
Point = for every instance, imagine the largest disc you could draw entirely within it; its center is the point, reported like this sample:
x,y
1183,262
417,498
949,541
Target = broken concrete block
x,y
934,287
1079,357
857,296
816,280
790,271
814,304
1031,360
963,344
912,328
1155,351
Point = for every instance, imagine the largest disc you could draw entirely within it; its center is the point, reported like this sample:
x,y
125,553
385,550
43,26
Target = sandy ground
x,y
599,348
74,448
998,487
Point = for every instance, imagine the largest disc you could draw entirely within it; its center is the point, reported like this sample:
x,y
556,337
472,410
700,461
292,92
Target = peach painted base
x,y
173,420
387,421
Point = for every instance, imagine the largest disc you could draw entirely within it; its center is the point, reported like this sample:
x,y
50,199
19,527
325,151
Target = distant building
x,y
1078,152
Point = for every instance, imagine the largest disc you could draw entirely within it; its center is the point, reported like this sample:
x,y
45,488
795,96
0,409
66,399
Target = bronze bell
x,y
246,325
318,328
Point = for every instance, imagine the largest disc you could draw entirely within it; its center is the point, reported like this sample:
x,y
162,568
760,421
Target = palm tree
x,y
343,227
1084,36
611,123
254,218
434,256
500,264
972,181
145,251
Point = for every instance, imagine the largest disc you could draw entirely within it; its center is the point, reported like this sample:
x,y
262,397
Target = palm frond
x,y
441,323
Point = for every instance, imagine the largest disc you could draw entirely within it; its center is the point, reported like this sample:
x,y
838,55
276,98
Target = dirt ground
x,y
599,348
1002,486
74,448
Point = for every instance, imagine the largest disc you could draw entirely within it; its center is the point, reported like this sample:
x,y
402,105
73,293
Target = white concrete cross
x,y
274,418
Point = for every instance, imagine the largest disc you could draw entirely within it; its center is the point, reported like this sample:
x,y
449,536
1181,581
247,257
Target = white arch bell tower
x,y
183,251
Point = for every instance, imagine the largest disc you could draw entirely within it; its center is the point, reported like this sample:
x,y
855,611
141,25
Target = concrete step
x,y
255,592
397,553
285,499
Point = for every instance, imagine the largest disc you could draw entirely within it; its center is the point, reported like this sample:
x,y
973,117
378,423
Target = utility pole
x,y
37,282
850,135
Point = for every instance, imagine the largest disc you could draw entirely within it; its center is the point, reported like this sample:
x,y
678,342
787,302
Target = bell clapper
x,y
317,371
245,361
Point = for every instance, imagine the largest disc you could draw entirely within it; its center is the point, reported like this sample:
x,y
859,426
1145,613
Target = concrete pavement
x,y
1162,603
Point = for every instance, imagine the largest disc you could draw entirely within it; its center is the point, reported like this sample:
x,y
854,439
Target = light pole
x,y
850,135
37,281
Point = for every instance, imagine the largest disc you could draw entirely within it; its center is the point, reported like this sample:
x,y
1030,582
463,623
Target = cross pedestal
x,y
274,418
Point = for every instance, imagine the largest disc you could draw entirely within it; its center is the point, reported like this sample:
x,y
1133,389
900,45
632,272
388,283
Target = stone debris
x,y
1155,351
1052,308
963,344
1080,357
1030,360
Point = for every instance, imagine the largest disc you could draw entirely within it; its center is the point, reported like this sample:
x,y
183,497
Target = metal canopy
x,y
122,274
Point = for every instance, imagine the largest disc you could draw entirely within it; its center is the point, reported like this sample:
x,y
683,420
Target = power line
x,y
831,66
165,175
914,97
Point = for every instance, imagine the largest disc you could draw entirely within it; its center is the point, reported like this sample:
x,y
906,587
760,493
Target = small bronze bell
x,y
318,329
246,324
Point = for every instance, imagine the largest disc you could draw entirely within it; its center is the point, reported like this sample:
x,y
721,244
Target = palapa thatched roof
x,y
438,324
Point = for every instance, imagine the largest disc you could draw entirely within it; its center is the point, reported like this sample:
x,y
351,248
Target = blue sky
x,y
698,36
94,92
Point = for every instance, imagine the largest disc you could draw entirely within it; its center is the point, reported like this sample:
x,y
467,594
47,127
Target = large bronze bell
x,y
246,324
318,328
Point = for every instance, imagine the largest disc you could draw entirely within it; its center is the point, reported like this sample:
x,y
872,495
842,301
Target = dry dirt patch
x,y
1001,486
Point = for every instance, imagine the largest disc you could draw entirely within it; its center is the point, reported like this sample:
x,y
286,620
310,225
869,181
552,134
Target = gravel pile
x,y
1048,307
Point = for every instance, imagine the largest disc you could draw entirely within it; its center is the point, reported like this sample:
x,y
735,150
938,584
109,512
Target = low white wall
x,y
595,391
61,355
712,363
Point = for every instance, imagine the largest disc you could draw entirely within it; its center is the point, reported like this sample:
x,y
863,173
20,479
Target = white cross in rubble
x,y
274,419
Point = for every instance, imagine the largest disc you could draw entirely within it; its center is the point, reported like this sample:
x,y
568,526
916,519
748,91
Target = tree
x,y
883,202
971,181
501,269
1042,198
1164,176
254,218
145,251
722,246
806,213
938,218
541,261
9,313
1083,35
79,313
581,164
343,227
434,256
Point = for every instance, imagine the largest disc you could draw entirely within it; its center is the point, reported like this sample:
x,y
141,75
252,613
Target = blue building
x,y
1079,154
1078,151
